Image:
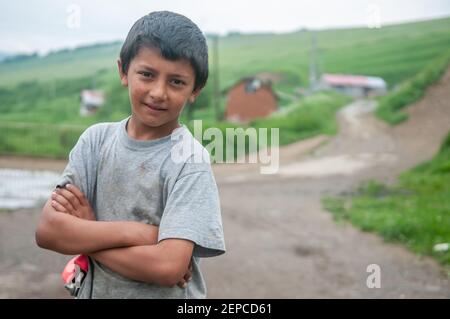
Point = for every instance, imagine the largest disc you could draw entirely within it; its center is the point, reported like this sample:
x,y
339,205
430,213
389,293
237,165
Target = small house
x,y
354,85
91,101
250,98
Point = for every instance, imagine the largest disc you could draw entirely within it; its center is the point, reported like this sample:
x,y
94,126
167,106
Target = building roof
x,y
353,80
92,97
254,83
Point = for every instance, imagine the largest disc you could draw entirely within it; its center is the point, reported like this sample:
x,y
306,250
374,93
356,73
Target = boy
x,y
142,215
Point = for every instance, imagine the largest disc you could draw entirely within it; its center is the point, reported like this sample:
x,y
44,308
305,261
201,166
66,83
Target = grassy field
x,y
46,90
313,115
61,65
415,212
41,140
393,52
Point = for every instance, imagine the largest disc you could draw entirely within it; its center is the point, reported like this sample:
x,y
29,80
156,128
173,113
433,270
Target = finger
x,y
62,201
79,194
182,283
58,207
187,277
69,196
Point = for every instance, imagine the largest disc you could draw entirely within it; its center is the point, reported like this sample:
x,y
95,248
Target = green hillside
x,y
392,52
46,90
64,64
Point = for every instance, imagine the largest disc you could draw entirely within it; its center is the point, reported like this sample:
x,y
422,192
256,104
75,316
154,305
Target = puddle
x,y
25,189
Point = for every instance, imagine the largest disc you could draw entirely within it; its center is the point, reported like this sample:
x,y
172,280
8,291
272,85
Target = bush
x,y
314,115
311,116
38,139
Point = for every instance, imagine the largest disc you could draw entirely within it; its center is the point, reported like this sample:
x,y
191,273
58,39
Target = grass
x,y
41,140
415,211
394,52
46,90
313,115
391,106
62,65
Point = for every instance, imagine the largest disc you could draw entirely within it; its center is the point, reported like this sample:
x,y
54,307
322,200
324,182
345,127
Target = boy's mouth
x,y
155,107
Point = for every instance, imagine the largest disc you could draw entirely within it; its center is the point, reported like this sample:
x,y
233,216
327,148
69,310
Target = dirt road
x,y
281,243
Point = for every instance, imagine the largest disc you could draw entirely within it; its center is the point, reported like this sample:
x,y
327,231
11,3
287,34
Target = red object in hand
x,y
74,273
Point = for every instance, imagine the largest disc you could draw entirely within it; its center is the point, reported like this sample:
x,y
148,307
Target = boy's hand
x,y
187,277
72,201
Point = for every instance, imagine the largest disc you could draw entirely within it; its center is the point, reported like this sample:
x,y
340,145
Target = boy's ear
x,y
194,95
123,76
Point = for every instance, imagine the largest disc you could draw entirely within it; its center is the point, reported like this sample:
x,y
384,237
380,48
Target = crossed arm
x,y
68,226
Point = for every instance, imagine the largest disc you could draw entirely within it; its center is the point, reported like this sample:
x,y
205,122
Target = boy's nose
x,y
158,91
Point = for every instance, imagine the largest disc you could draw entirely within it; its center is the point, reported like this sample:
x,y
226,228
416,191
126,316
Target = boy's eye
x,y
146,74
178,82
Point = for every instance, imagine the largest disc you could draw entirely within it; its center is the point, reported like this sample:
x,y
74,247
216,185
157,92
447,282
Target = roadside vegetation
x,y
392,106
415,211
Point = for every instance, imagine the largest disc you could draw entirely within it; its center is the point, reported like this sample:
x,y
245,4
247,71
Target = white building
x,y
354,85
91,101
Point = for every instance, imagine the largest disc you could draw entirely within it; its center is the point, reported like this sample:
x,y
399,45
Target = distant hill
x,y
393,52
20,57
4,55
62,64
46,90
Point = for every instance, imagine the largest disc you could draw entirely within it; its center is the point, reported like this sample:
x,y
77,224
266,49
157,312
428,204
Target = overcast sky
x,y
43,25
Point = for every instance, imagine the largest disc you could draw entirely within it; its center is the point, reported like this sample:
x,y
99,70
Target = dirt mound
x,y
419,138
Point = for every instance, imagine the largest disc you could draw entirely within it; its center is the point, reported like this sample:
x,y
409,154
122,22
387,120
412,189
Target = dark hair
x,y
175,36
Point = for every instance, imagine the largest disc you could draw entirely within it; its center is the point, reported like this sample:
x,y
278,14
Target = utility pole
x,y
94,82
313,70
52,89
216,84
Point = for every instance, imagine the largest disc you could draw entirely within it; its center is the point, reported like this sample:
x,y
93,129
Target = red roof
x,y
340,79
353,80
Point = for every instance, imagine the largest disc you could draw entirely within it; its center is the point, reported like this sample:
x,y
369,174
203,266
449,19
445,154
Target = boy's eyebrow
x,y
181,75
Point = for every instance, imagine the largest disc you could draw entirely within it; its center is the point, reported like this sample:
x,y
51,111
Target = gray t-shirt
x,y
149,182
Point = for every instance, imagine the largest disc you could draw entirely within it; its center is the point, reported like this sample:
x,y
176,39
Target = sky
x,y
46,25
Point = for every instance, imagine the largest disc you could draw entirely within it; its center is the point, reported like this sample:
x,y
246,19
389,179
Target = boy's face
x,y
158,88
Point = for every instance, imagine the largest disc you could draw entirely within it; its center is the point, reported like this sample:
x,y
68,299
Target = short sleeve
x,y
81,168
192,212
